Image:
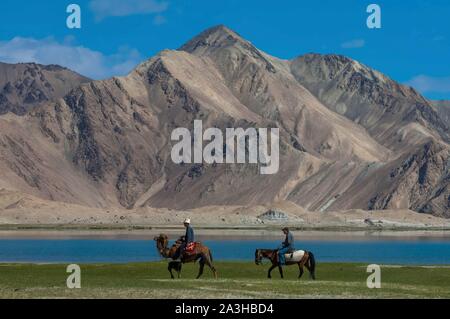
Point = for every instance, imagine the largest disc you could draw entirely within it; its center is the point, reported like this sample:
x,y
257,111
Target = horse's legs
x,y
300,268
270,270
281,271
309,269
308,266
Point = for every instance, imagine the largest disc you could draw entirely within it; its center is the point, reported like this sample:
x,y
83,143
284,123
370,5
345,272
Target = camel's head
x,y
161,242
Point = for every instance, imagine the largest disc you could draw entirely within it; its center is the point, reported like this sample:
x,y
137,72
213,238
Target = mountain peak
x,y
215,37
214,41
220,29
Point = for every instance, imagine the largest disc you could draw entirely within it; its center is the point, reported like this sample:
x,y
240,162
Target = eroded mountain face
x,y
443,109
27,85
389,111
349,136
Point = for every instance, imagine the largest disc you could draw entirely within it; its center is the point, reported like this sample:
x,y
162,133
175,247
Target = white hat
x,y
187,221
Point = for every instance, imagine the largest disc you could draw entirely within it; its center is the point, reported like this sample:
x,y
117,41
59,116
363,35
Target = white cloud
x,y
85,61
159,20
121,8
354,44
428,84
439,38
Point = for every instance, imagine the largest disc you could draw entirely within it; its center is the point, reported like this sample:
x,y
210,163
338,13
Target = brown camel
x,y
201,253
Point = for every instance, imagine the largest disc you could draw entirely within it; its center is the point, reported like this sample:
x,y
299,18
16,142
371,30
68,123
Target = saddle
x,y
294,256
189,250
190,247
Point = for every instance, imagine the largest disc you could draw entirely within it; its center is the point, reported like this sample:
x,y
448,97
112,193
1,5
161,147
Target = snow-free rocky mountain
x,y
443,109
350,137
27,85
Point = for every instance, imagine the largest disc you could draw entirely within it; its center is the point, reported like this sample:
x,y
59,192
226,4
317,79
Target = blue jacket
x,y
289,241
189,237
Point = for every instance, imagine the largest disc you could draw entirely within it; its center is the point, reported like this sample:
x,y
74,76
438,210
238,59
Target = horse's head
x,y
161,242
258,256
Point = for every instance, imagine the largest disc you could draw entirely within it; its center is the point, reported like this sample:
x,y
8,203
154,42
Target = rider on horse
x,y
188,238
286,247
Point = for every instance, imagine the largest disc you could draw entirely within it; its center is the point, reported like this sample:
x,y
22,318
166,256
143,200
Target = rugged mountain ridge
x,y
443,109
107,143
26,85
388,110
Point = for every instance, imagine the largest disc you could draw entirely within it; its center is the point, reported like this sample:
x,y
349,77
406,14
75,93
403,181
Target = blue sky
x,y
413,45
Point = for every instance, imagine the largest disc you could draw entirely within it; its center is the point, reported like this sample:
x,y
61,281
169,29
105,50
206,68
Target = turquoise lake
x,y
435,251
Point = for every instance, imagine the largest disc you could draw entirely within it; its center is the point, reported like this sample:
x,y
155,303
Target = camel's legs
x,y
200,270
210,265
169,267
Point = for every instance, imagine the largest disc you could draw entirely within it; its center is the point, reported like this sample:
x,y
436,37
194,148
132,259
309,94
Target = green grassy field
x,y
236,280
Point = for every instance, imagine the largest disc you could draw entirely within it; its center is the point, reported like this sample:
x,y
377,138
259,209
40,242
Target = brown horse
x,y
201,253
306,260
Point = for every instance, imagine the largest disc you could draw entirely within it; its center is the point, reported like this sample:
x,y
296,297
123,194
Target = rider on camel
x,y
188,238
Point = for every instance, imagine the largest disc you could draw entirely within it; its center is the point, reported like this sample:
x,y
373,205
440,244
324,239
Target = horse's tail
x,y
312,264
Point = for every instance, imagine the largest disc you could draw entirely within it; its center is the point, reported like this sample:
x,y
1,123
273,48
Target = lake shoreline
x,y
218,233
332,228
